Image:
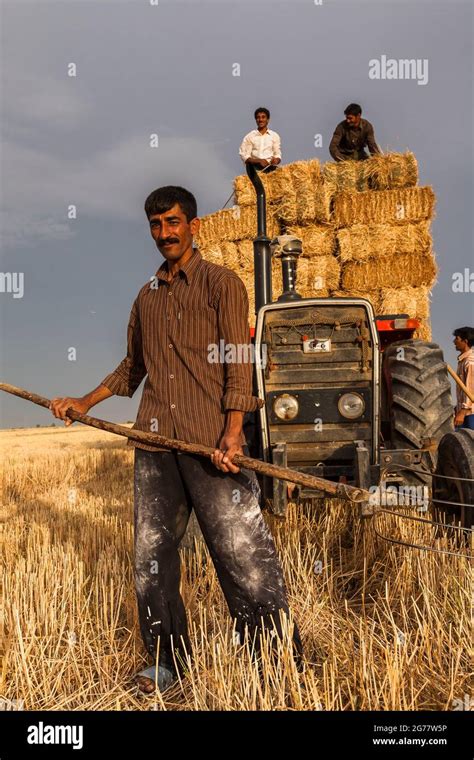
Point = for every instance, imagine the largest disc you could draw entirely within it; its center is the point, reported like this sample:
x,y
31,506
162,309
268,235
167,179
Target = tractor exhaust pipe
x,y
262,255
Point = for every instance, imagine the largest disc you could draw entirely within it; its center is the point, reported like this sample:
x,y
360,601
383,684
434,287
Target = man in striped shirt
x,y
176,321
464,342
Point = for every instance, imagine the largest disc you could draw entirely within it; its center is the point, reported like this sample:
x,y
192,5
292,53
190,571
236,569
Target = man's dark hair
x,y
465,333
164,198
262,110
353,109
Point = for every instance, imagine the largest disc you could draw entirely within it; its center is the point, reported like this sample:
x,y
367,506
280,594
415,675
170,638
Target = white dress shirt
x,y
256,145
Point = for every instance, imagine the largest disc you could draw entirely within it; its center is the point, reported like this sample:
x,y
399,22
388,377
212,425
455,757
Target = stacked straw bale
x,y
381,172
316,239
391,170
362,241
406,269
237,223
411,204
414,301
364,227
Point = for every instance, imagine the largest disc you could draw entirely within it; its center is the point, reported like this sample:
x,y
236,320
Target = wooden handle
x,y
341,490
460,383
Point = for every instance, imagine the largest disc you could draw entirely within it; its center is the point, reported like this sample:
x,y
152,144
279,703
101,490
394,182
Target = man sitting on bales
x,y
261,146
352,136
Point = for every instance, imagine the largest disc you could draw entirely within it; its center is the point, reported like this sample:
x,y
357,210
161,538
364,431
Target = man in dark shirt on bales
x,y
189,306
352,136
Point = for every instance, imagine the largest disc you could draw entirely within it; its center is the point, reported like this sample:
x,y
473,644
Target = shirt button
x,y
171,376
173,406
170,345
170,293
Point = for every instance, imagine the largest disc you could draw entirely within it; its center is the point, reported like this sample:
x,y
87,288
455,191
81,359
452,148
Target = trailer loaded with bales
x,y
355,390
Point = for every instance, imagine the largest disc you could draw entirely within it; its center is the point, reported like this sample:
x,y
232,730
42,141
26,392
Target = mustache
x,y
164,241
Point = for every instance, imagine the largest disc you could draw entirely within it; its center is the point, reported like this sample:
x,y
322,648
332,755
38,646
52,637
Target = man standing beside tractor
x,y
464,342
190,305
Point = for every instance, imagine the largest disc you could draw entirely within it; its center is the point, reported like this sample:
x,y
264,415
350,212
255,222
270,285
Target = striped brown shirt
x,y
171,327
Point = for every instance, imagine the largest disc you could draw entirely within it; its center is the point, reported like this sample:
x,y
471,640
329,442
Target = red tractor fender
x,y
395,327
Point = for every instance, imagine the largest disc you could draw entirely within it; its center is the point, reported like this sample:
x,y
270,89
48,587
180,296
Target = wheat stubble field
x,y
384,627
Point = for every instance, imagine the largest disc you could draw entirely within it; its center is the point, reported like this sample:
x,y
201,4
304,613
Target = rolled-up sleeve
x,y
126,378
232,315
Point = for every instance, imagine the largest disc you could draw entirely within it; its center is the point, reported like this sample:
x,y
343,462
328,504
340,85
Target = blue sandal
x,y
160,676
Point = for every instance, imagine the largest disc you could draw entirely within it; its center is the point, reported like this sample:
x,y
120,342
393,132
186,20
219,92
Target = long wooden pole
x,y
458,380
341,490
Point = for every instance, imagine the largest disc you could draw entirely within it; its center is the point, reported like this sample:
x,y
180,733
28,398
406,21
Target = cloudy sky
x,y
167,68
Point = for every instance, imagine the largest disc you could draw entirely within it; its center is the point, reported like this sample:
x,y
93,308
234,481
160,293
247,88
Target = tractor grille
x,y
319,432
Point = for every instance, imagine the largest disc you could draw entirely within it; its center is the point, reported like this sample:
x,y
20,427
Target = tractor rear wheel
x,y
453,480
419,401
419,397
420,393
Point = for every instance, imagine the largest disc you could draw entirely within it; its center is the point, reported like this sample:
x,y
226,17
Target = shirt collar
x,y
469,352
268,132
186,270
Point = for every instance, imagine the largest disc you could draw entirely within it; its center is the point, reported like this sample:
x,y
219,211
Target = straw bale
x,y
317,239
276,184
345,175
405,270
212,252
281,182
380,172
370,295
424,331
385,206
391,170
412,301
244,193
224,253
322,205
314,277
245,254
237,223
211,227
299,176
230,254
303,189
361,241
248,280
287,209
303,208
324,273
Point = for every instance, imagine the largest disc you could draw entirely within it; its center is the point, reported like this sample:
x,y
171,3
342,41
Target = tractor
x,y
350,395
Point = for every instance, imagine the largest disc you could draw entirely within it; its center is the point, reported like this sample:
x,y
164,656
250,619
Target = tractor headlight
x,y
285,406
351,406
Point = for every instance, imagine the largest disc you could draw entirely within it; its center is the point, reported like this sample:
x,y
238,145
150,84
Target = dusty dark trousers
x,y
168,485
